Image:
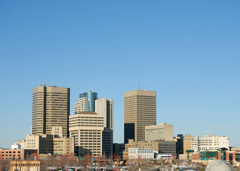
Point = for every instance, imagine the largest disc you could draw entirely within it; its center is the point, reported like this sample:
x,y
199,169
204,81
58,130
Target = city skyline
x,y
187,52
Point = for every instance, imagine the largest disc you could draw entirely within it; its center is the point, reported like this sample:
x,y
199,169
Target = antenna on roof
x,y
138,84
89,89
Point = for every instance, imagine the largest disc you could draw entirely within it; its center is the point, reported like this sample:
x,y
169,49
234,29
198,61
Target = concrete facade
x,y
104,107
139,111
42,143
62,146
187,143
163,131
50,144
50,108
136,153
87,128
210,143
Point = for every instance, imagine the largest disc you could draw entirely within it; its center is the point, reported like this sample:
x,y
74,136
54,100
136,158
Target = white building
x,y
163,156
16,147
209,143
136,153
104,107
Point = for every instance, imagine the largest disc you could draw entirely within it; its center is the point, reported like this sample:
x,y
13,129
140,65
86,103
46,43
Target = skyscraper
x,y
86,102
50,109
104,107
139,111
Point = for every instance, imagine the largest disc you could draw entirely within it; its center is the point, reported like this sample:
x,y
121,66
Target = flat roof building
x,y
163,131
139,111
87,128
50,107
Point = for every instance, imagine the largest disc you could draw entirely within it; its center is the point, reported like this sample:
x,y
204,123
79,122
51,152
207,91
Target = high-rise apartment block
x,y
104,107
50,109
85,102
87,129
139,111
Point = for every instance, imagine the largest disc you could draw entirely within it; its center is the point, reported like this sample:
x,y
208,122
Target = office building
x,y
107,142
42,143
136,153
118,149
167,147
50,108
16,154
204,143
187,143
63,145
209,143
139,111
104,107
50,144
179,144
85,102
158,146
87,128
163,131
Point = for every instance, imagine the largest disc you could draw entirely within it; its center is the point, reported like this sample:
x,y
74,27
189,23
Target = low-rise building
x,y
63,146
118,149
136,153
21,143
50,144
16,154
24,165
205,143
157,146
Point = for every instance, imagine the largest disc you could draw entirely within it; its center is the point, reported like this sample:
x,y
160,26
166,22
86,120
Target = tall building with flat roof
x,y
50,107
104,107
139,111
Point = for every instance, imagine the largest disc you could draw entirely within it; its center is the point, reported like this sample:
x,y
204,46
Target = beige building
x,y
163,131
24,165
87,128
80,105
50,144
63,146
50,108
57,131
157,146
42,143
104,107
140,145
139,111
187,143
21,143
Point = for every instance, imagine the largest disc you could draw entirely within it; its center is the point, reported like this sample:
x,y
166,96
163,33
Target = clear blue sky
x,y
188,51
